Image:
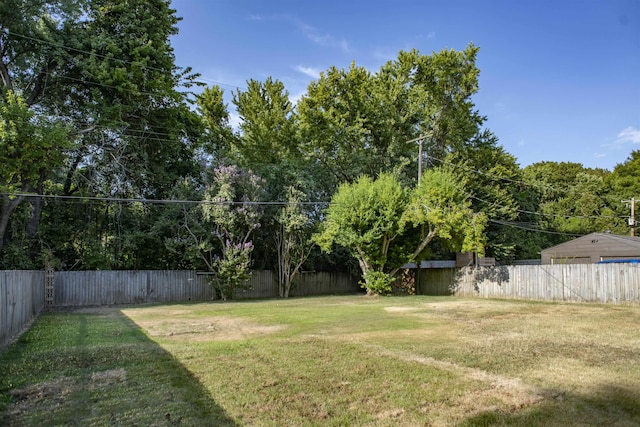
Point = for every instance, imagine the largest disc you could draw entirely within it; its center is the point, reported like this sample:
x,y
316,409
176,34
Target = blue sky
x,y
559,80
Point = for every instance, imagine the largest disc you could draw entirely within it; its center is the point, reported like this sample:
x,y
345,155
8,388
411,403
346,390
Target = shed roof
x,y
631,242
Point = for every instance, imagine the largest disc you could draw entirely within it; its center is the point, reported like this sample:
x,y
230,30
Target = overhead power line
x,y
158,201
210,202
538,230
199,78
502,178
171,138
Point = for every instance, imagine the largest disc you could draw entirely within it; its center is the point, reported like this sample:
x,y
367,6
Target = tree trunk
x,y
7,207
428,238
33,226
279,239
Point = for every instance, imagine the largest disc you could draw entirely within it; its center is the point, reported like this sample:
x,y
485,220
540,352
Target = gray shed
x,y
592,248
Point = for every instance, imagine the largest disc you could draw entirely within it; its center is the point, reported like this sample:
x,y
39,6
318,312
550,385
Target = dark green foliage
x,y
95,112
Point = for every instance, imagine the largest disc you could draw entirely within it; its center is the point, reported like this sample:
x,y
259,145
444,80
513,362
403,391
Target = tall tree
x,y
269,143
353,122
106,70
624,181
268,124
218,138
30,148
492,177
624,184
566,200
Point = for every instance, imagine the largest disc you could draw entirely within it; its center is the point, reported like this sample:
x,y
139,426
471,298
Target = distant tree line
x,y
114,158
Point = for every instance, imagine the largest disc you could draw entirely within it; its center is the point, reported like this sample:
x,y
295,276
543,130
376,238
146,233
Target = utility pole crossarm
x,y
420,138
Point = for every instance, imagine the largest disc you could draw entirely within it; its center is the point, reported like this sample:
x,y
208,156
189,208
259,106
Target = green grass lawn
x,y
336,361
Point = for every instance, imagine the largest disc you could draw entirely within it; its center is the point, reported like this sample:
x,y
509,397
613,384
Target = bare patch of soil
x,y
106,379
215,328
399,309
52,394
46,394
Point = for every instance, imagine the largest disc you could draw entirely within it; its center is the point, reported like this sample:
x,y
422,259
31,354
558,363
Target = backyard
x,y
339,360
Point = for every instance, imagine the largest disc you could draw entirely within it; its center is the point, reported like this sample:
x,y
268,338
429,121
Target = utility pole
x,y
419,140
632,217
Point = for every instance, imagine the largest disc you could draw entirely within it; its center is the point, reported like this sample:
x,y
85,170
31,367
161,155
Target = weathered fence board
x,y
21,299
85,288
604,283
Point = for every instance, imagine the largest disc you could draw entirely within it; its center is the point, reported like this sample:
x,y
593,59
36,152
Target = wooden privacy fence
x,y
84,288
23,293
21,299
603,283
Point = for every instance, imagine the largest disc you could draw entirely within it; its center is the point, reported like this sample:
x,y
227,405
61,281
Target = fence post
x,y
49,290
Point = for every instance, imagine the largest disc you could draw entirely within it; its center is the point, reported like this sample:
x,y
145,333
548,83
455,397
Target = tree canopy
x,y
385,225
113,157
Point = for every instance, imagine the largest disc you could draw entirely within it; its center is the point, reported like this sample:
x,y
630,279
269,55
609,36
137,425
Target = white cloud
x,y
314,73
321,39
309,31
629,134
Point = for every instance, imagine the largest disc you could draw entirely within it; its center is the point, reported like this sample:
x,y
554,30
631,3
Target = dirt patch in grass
x,y
52,394
400,309
48,394
106,379
215,328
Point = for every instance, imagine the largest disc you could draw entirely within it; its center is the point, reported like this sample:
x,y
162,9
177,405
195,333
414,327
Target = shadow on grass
x,y
609,404
97,367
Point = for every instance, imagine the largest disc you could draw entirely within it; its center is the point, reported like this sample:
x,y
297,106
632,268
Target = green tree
x,y
269,143
292,239
583,208
492,176
30,148
229,215
565,199
353,122
218,138
624,181
623,184
106,70
370,217
268,125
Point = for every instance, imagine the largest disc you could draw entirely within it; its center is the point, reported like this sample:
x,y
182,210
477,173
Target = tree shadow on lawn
x,y
97,367
608,404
